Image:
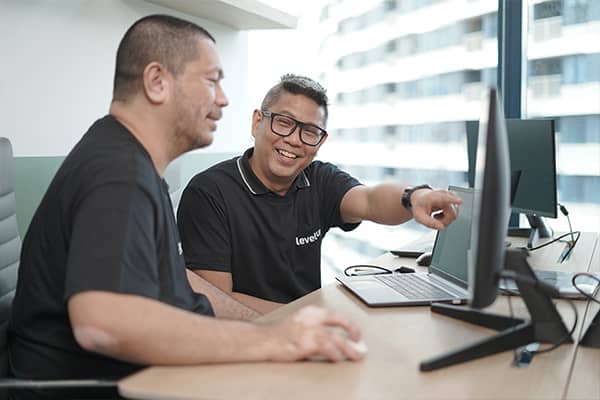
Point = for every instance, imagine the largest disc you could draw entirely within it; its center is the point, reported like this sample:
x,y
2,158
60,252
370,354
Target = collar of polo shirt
x,y
253,184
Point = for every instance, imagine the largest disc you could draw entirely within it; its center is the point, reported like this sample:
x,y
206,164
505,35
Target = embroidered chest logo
x,y
302,240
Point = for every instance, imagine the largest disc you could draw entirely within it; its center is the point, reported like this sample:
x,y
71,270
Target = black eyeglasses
x,y
283,125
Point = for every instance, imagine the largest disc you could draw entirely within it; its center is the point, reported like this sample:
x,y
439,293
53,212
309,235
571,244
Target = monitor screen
x,y
531,144
491,205
449,258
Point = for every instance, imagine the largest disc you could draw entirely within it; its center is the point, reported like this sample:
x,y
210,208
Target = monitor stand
x,y
538,230
545,324
592,335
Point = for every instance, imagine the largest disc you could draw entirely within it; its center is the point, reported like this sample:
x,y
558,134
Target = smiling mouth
x,y
287,154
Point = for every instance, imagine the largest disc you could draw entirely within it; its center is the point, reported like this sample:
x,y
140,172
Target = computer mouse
x,y
424,259
404,270
359,346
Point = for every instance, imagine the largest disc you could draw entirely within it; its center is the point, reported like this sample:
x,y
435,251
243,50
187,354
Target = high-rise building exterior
x,y
404,76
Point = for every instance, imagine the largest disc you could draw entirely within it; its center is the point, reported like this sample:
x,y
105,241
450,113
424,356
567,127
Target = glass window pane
x,y
563,83
403,110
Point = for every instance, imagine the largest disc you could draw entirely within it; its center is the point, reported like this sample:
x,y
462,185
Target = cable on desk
x,y
557,239
571,242
536,283
588,296
361,270
564,211
357,270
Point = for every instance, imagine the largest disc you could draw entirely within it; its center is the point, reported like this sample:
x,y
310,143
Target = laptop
x,y
562,281
446,280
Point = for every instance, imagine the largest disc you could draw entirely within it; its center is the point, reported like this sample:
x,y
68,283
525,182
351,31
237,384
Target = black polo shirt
x,y
106,223
229,221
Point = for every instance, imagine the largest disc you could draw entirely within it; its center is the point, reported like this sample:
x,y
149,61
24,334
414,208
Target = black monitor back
x,y
491,205
532,147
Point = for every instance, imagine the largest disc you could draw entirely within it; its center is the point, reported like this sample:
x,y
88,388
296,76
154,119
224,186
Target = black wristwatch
x,y
408,192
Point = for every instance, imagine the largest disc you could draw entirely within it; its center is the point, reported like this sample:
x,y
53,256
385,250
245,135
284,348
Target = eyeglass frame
x,y
271,114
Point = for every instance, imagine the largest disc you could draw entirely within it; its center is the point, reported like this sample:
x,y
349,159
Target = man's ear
x,y
256,119
156,83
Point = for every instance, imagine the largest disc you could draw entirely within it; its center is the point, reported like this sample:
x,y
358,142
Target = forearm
x,y
145,331
224,282
224,304
261,305
384,204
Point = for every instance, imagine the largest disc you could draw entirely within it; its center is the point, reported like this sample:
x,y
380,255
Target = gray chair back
x,y
10,252
10,246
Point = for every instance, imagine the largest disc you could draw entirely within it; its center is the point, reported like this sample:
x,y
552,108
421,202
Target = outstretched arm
x,y
383,204
147,332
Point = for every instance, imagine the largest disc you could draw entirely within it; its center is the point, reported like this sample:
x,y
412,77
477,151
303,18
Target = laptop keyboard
x,y
413,286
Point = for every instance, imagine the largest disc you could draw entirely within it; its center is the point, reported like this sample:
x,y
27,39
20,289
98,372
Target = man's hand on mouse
x,y
315,333
434,208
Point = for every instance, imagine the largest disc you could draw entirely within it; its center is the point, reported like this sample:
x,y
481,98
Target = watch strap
x,y
408,192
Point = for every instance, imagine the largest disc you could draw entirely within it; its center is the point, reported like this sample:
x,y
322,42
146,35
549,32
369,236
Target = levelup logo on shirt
x,y
301,241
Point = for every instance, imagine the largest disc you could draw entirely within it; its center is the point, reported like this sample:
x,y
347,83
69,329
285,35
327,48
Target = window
x,y
581,11
547,9
565,87
420,82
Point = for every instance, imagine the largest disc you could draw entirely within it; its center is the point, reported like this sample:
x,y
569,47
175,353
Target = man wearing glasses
x,y
253,225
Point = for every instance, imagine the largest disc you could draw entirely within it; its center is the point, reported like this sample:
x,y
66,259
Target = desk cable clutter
x,y
544,325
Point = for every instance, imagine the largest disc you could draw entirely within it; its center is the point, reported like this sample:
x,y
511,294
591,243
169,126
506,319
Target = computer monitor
x,y
531,144
489,258
491,205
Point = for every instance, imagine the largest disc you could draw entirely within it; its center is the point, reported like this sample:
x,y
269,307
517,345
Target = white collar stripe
x,y
239,165
306,179
241,170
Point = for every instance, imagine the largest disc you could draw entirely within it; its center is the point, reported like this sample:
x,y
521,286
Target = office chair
x,y
10,249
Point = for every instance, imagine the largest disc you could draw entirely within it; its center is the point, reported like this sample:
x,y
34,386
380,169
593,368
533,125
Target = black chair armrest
x,y
13,383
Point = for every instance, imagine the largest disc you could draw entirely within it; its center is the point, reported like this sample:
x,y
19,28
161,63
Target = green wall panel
x,y
33,175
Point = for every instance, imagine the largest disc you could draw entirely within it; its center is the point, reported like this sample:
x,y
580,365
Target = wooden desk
x,y
399,338
585,380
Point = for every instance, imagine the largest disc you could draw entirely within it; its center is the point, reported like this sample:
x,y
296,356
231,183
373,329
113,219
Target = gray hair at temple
x,y
297,84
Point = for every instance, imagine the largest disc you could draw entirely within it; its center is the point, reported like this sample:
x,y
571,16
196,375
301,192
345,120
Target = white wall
x,y
279,51
57,65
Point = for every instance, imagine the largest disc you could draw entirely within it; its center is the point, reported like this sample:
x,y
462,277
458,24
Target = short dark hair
x,y
297,84
165,39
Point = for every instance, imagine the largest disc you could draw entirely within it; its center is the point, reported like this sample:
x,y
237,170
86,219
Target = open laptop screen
x,y
449,258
